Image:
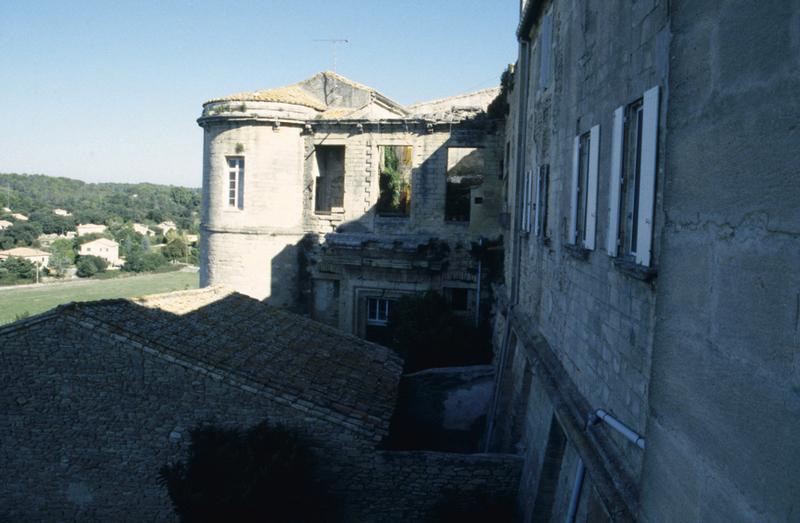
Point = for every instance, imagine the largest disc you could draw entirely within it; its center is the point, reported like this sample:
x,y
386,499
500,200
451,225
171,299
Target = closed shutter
x,y
573,210
647,182
591,188
538,201
615,181
545,48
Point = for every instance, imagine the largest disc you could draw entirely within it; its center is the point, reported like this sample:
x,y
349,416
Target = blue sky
x,y
110,90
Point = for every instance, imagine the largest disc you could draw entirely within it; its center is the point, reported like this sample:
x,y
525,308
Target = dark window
x,y
583,180
631,177
395,180
329,183
459,298
465,171
378,313
542,200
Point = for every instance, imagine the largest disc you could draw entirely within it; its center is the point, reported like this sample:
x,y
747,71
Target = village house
x,y
90,228
648,326
5,224
103,248
40,258
167,226
142,229
62,212
328,197
19,217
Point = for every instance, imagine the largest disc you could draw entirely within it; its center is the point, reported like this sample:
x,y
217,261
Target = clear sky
x,y
110,90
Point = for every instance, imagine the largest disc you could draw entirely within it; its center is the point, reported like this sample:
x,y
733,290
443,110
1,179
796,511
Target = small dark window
x,y
631,177
459,299
329,183
583,180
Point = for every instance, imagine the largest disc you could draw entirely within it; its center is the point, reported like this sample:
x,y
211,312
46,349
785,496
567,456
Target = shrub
x,y
261,474
89,265
140,261
14,269
426,333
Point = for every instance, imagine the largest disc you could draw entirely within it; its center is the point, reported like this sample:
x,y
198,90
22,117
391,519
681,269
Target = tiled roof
x,y
304,364
291,94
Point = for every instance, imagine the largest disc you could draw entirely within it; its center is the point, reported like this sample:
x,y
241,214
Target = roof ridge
x,y
455,96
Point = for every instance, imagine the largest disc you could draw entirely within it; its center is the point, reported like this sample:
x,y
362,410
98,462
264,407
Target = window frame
x,y
234,188
377,321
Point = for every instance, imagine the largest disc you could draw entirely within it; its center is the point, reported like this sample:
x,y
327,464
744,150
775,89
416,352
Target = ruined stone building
x,y
329,198
652,262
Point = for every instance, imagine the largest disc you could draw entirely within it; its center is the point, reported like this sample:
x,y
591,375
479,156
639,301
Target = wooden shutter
x,y
591,188
647,181
615,181
573,210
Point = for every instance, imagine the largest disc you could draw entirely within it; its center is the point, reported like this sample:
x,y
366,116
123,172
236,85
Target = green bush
x,y
89,265
16,270
261,474
140,261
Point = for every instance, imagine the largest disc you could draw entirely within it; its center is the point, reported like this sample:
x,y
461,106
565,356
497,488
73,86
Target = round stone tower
x,y
253,192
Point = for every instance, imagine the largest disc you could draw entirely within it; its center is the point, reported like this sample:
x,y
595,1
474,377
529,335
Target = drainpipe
x,y
580,472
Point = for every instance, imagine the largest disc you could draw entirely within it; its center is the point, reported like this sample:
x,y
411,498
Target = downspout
x,y
580,472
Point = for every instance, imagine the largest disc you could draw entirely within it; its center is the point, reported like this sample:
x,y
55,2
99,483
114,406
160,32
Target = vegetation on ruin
x,y
264,473
395,191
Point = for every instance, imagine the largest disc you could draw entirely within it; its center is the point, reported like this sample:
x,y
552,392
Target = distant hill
x,y
101,202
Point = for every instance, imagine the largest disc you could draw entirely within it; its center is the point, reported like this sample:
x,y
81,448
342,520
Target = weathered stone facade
x,y
98,396
647,175
306,226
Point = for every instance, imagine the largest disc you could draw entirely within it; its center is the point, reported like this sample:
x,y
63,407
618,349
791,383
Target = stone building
x,y
98,396
652,262
329,198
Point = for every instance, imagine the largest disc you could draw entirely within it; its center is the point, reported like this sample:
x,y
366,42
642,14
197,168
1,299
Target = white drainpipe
x,y
580,472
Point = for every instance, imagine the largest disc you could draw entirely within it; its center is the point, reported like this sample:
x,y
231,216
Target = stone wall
x,y
87,419
444,408
725,389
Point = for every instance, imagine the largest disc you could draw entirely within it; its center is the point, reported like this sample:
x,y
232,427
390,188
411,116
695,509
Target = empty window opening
x,y
631,177
329,182
542,200
465,172
395,180
236,182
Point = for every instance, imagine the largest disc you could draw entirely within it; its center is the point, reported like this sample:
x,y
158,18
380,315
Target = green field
x,y
35,299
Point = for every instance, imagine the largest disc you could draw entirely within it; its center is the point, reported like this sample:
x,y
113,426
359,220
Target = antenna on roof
x,y
334,42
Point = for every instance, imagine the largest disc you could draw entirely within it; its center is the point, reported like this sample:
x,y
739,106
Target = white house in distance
x,y
90,228
142,229
103,248
167,226
62,212
5,224
20,217
36,256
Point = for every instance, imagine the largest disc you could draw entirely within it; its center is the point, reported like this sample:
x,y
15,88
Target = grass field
x,y
35,299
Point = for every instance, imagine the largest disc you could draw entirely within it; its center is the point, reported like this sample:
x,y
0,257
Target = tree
x,y
14,269
175,250
89,265
140,261
261,474
62,256
24,233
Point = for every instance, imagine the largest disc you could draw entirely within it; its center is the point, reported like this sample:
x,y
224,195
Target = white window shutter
x,y
545,50
591,188
647,182
615,182
573,211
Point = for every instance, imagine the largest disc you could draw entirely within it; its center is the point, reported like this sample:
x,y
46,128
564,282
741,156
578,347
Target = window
x,y
526,202
395,180
583,217
632,181
236,182
329,179
545,50
378,311
465,171
542,200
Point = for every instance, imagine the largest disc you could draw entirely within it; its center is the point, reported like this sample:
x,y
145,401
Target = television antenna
x,y
334,42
